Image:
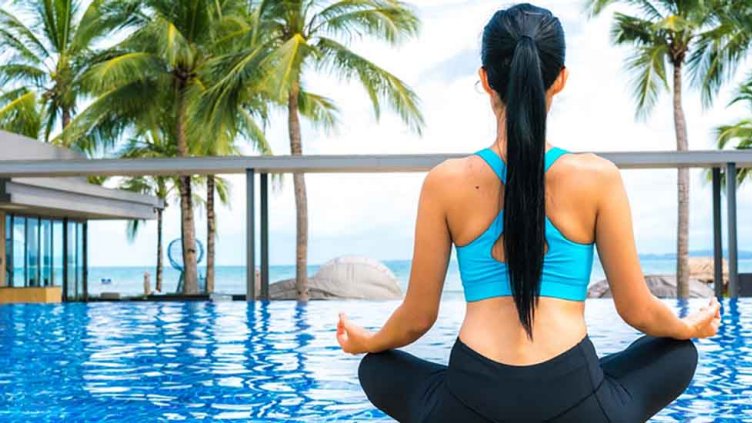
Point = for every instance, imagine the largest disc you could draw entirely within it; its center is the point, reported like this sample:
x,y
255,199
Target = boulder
x,y
662,286
702,268
348,277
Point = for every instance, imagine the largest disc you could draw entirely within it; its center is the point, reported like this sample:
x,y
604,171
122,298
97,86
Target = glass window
x,y
57,252
70,260
45,253
80,259
8,250
19,251
32,251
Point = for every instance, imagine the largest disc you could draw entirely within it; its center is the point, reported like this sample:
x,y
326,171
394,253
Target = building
x,y
44,224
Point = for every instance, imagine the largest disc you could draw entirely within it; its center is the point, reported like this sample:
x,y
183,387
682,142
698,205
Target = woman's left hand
x,y
352,338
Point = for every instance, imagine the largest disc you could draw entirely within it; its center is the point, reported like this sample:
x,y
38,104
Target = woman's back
x,y
474,194
525,228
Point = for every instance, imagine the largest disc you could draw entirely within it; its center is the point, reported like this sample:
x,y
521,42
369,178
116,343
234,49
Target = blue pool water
x,y
143,362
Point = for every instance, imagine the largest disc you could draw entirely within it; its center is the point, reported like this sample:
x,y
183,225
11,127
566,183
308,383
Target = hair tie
x,y
525,36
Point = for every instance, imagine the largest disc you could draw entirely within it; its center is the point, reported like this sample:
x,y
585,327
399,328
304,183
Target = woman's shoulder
x,y
585,176
588,162
583,167
456,169
448,179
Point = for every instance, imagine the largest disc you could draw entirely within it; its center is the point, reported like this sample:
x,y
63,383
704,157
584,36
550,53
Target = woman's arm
x,y
420,307
616,248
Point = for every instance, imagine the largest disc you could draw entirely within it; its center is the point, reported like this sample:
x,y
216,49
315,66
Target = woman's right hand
x,y
704,323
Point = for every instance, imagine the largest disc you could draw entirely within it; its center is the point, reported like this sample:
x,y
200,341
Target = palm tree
x,y
219,186
152,79
48,49
157,78
284,39
705,35
20,112
739,134
223,128
150,145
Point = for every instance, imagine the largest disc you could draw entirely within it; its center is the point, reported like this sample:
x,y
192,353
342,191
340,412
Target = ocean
x,y
231,279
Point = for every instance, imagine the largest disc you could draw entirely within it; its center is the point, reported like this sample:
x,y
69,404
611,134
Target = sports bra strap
x,y
500,168
552,154
495,162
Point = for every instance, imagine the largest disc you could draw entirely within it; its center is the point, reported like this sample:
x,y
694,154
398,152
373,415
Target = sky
x,y
374,215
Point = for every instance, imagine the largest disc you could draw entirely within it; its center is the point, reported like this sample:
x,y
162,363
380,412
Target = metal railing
x,y
725,161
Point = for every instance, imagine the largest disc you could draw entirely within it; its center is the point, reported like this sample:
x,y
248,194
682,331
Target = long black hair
x,y
523,53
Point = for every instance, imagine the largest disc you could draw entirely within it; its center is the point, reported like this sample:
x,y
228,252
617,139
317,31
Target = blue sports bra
x,y
566,264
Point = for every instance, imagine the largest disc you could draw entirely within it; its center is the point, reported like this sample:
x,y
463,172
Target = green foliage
x,y
710,36
19,112
738,135
148,144
279,41
47,51
142,66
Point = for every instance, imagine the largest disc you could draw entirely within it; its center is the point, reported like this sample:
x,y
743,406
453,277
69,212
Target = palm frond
x,y
23,35
634,31
379,84
718,52
100,19
22,74
649,67
387,20
318,109
122,70
740,132
20,113
223,186
284,65
102,123
252,131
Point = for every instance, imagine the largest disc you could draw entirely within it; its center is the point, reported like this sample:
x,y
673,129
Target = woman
x,y
524,217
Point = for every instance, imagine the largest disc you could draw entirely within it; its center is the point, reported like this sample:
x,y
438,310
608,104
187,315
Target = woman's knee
x,y
685,355
370,371
365,368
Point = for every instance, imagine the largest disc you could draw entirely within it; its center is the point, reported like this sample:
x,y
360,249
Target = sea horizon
x,y
230,279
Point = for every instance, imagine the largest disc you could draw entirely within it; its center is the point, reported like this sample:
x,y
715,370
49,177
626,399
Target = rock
x,y
702,268
348,277
662,286
110,295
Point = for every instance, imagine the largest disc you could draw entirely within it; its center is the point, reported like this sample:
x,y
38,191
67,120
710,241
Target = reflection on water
x,y
270,362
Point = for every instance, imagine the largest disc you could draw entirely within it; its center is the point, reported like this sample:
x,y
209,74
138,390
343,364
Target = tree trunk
x,y
682,238
66,118
187,225
160,253
210,233
301,203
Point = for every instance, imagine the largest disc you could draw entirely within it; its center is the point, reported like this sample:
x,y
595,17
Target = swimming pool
x,y
144,362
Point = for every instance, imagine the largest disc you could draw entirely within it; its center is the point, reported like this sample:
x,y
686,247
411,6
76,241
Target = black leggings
x,y
575,386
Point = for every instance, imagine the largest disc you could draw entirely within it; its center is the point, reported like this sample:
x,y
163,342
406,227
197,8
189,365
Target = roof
x,y
72,197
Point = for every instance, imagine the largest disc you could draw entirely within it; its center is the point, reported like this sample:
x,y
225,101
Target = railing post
x,y
717,237
250,236
265,236
85,264
733,287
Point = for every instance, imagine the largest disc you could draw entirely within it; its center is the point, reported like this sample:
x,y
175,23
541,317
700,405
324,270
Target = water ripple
x,y
272,362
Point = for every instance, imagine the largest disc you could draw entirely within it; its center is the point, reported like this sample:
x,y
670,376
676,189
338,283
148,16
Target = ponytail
x,y
523,53
524,194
